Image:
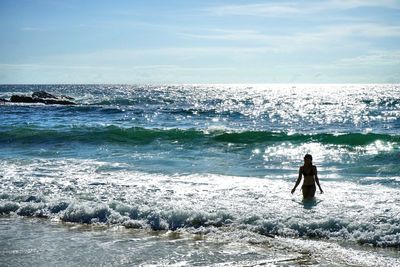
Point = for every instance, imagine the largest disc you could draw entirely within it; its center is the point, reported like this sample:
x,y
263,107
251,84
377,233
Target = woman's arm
x,y
298,180
317,180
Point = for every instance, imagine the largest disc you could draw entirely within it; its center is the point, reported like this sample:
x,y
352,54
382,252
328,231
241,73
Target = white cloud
x,y
33,29
320,37
129,57
230,35
271,9
349,4
278,9
372,30
34,66
373,58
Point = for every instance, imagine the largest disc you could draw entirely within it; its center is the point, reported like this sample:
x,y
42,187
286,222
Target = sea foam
x,y
273,213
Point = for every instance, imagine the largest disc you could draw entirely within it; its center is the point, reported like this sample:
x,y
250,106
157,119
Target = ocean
x,y
200,175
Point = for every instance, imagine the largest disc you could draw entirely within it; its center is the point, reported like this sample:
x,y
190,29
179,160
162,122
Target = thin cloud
x,y
279,9
373,58
274,9
35,66
230,35
33,29
372,30
347,34
127,56
349,4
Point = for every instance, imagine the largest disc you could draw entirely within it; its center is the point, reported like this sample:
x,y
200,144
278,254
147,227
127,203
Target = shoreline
x,y
44,243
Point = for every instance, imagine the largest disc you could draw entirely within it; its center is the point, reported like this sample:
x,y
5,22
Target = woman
x,y
310,178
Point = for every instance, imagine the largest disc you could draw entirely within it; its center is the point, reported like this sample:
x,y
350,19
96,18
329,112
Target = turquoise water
x,y
215,161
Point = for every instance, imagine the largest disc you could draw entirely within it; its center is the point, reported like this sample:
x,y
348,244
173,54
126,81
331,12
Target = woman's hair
x,y
308,156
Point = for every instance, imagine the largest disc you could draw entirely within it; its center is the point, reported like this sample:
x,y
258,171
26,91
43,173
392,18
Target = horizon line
x,y
273,83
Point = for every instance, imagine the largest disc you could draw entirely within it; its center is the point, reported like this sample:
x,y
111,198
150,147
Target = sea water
x,y
200,175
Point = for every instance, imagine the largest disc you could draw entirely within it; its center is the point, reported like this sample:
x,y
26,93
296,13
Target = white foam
x,y
366,214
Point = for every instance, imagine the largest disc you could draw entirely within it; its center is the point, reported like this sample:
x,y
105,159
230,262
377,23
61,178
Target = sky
x,y
202,41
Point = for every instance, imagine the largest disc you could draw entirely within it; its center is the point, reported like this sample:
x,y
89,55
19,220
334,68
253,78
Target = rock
x,y
3,100
52,99
23,99
45,100
43,94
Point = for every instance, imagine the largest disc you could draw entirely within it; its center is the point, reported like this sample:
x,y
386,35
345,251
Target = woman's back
x,y
308,173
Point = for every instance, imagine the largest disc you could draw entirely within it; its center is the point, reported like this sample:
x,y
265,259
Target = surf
x,y
136,135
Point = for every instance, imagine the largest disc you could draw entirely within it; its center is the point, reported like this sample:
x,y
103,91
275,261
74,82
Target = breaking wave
x,y
383,234
139,135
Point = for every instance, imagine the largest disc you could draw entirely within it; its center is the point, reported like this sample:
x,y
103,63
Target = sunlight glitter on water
x,y
210,162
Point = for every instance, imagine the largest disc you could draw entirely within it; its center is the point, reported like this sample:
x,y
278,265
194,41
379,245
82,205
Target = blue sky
x,y
204,41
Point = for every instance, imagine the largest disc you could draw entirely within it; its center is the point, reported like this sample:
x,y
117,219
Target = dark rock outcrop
x,y
43,94
42,97
3,100
23,99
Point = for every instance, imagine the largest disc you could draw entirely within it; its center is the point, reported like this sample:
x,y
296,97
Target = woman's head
x,y
307,158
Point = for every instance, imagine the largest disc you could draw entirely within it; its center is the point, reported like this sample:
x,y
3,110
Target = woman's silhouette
x,y
310,178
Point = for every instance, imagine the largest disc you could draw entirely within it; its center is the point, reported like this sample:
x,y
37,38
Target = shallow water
x,y
203,171
65,244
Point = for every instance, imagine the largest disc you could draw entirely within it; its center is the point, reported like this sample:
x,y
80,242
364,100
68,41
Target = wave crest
x,y
115,213
139,135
